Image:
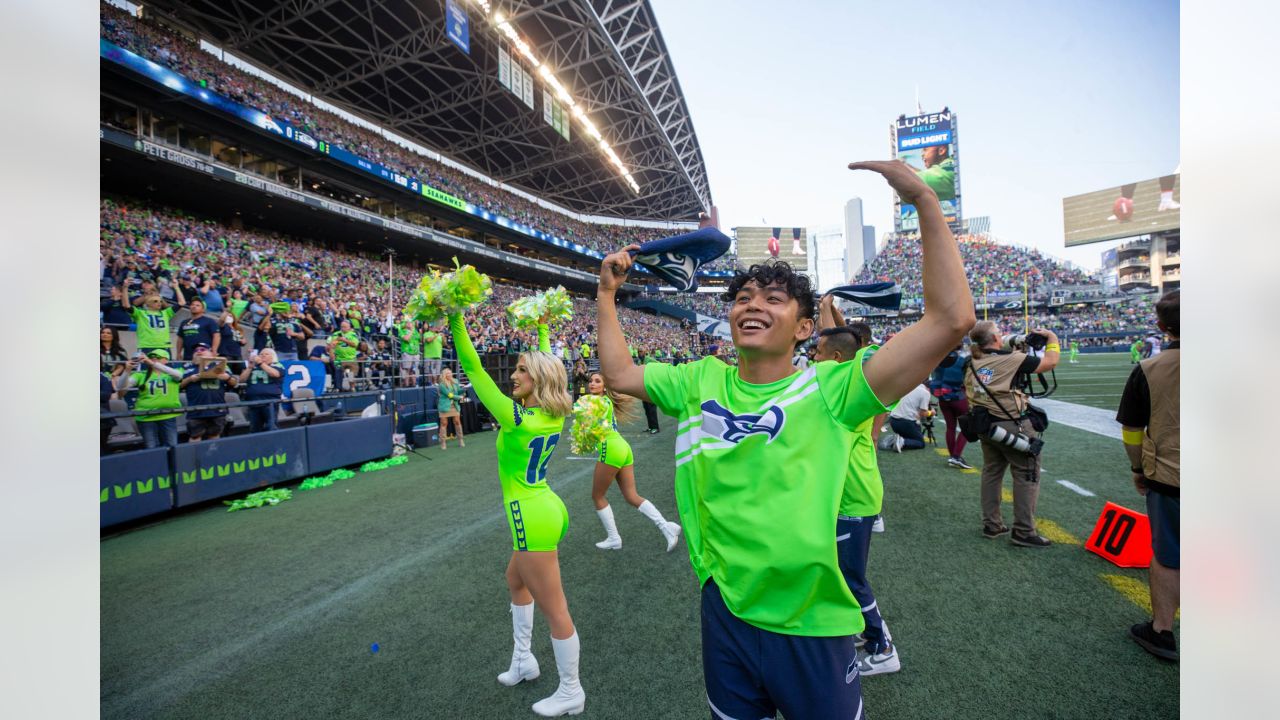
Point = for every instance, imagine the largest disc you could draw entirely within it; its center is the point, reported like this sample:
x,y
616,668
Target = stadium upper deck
x,y
392,62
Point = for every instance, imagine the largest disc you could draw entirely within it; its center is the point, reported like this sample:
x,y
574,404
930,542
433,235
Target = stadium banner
x,y
504,68
133,485
517,78
217,468
457,25
284,129
1137,208
714,326
548,116
303,374
335,445
761,244
928,144
528,90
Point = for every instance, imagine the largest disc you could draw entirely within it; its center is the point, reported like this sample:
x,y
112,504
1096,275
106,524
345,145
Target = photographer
x,y
905,419
999,415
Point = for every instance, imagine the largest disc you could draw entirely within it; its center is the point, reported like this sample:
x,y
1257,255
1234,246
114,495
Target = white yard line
x,y
1075,488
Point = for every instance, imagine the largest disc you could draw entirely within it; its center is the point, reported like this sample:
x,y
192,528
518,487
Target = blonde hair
x,y
447,372
549,383
624,406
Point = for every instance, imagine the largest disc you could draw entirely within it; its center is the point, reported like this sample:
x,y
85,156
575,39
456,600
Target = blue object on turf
x,y
374,647
676,259
883,295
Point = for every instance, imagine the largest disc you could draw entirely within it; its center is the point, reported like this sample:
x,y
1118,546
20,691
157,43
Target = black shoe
x,y
1161,644
990,534
1031,541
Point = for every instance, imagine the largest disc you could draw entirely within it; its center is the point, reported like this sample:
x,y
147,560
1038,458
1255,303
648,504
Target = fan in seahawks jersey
x,y
778,619
530,424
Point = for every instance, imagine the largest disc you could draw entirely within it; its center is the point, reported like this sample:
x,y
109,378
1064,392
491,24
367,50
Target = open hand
x,y
901,177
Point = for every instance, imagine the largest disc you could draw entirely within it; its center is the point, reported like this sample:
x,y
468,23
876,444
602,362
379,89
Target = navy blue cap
x,y
676,259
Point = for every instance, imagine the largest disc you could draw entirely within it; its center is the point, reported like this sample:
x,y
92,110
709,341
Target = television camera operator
x,y
997,381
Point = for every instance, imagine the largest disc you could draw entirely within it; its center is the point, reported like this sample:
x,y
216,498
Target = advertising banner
x,y
928,144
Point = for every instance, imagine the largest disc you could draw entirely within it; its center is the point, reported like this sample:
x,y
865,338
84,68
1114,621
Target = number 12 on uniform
x,y
540,449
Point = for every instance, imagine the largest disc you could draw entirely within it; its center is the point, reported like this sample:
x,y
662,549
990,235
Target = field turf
x,y
272,612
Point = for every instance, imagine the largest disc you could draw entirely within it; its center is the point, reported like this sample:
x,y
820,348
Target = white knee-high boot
x,y
524,666
614,540
569,697
670,530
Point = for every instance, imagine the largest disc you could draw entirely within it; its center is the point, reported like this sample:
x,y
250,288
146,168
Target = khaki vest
x,y
1161,452
997,373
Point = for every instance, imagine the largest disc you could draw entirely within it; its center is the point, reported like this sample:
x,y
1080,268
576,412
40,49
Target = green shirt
x,y
343,352
409,339
526,437
941,178
863,488
432,345
153,327
586,351
155,392
759,474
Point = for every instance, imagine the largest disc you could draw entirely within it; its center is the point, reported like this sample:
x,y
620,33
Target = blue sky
x,y
1052,99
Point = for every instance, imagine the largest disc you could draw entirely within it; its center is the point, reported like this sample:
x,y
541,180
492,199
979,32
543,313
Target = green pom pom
x,y
591,423
440,295
270,496
554,307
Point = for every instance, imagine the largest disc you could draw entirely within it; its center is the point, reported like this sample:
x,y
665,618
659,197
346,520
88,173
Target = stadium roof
x,y
390,61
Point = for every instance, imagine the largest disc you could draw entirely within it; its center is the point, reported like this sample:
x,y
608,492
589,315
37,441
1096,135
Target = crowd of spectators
x,y
708,304
996,266
183,55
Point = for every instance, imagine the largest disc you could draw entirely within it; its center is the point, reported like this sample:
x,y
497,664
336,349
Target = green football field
x,y
272,612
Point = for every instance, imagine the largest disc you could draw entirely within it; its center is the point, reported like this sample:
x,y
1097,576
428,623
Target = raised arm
x,y
499,405
829,316
544,338
907,359
620,373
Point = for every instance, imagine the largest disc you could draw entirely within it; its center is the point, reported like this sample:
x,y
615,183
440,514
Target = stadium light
x,y
548,76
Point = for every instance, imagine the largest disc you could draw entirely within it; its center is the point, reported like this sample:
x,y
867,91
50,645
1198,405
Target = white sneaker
x,y
880,663
1168,205
887,441
878,525
898,442
610,543
671,531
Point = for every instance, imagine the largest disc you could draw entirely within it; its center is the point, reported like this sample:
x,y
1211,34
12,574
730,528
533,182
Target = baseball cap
x,y
158,352
202,345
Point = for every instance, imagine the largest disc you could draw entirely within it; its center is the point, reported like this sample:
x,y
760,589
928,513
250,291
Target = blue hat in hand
x,y
883,295
676,259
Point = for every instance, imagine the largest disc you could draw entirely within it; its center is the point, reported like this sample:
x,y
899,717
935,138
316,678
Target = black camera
x,y
1030,341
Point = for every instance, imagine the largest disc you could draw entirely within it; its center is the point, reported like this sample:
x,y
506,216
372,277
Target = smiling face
x,y
766,320
522,381
595,385
106,336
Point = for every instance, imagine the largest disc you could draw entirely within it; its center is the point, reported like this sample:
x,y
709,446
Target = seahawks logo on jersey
x,y
675,268
734,428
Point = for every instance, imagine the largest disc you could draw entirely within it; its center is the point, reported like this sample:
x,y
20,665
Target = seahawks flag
x,y
677,259
883,295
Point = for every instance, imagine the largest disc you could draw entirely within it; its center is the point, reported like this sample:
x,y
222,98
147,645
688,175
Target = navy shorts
x,y
853,543
1165,512
752,673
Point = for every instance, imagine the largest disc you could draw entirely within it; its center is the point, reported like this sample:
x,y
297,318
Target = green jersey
x,y
153,327
526,437
863,489
941,178
759,474
156,390
432,345
409,338
343,352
